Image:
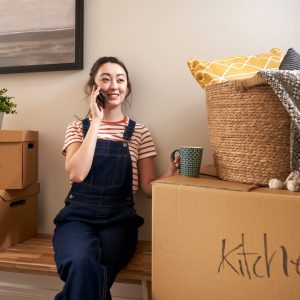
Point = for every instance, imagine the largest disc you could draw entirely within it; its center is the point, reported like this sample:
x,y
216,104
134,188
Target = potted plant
x,y
7,106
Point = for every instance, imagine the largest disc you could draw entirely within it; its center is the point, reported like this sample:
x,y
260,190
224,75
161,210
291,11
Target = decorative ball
x,y
293,185
276,184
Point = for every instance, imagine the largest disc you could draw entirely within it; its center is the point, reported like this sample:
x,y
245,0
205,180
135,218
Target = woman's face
x,y
112,80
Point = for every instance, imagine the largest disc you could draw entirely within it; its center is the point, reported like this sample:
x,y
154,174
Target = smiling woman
x,y
107,154
112,81
102,78
51,39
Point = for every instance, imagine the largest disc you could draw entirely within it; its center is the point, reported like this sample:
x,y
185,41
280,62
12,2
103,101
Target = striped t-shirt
x,y
140,146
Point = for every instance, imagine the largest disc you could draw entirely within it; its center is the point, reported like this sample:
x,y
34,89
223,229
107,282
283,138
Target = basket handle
x,y
244,85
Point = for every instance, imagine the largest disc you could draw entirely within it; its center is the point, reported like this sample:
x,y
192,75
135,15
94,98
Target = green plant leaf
x,y
6,104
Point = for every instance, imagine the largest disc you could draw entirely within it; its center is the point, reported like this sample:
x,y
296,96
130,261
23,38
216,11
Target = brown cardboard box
x,y
218,240
18,158
18,215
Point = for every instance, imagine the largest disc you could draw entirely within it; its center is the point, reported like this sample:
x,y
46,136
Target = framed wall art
x,y
41,35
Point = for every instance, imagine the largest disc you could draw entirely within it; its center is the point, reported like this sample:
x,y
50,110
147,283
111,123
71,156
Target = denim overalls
x,y
96,231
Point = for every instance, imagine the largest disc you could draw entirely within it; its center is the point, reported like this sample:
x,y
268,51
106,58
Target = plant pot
x,y
1,118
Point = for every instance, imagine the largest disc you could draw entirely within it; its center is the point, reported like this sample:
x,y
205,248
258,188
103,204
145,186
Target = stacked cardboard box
x,y
217,240
18,186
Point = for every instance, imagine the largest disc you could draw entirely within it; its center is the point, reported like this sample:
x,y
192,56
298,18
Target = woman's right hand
x,y
96,111
79,156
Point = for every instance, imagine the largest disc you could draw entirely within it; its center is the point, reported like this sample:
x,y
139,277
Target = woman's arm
x,y
147,174
79,156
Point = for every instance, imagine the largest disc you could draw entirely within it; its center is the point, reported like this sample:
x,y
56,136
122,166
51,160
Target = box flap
x,y
207,182
9,195
18,135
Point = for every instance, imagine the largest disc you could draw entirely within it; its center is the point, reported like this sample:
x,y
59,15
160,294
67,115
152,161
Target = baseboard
x,y
16,291
11,291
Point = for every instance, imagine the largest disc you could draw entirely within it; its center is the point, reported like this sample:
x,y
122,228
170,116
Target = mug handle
x,y
173,154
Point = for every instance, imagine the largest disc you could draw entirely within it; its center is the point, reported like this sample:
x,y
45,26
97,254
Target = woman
x,y
106,155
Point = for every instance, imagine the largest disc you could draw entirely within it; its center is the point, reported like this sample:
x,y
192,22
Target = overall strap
x,y
129,130
85,126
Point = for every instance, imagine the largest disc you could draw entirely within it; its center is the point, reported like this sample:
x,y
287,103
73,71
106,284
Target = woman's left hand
x,y
175,166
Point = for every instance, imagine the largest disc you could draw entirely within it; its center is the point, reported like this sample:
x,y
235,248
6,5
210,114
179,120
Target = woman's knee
x,y
82,263
85,263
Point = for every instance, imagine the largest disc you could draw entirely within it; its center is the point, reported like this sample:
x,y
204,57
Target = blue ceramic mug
x,y
190,160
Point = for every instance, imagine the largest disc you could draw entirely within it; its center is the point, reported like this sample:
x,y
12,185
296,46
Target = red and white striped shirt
x,y
140,146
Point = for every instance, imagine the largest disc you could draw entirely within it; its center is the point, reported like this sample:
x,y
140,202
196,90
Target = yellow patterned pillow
x,y
237,67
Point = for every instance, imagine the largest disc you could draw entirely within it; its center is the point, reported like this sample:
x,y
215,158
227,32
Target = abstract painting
x,y
41,35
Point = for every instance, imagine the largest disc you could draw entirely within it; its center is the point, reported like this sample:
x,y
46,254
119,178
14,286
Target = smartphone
x,y
101,99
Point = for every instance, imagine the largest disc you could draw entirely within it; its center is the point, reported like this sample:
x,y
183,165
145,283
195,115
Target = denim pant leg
x,y
117,244
77,254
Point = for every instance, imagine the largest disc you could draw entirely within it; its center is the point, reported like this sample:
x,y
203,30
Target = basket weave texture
x,y
249,131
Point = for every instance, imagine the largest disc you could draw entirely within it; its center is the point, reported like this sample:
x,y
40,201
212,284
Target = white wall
x,y
155,39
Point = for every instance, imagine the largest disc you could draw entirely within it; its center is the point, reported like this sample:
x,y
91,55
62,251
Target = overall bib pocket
x,y
113,169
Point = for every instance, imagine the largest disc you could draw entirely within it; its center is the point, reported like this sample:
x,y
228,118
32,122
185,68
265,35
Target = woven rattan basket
x,y
249,131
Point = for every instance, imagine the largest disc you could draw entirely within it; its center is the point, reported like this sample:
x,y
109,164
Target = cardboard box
x,y
18,158
217,240
18,215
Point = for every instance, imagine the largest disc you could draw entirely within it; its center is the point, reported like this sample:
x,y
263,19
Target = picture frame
x,y
42,35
